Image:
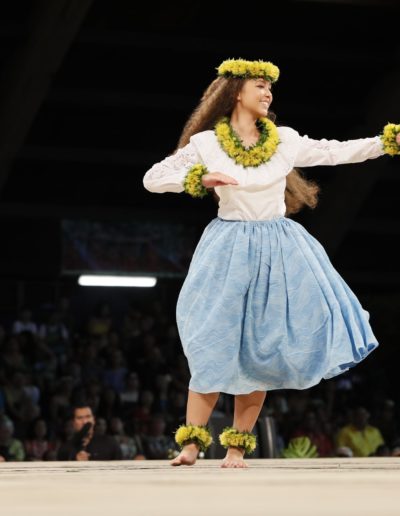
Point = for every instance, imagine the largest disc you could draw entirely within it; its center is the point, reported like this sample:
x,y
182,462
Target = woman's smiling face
x,y
256,96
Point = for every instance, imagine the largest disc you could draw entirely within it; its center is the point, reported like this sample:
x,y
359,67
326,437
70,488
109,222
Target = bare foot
x,y
187,456
234,458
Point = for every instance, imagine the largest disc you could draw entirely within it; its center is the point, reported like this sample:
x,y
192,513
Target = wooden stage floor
x,y
274,487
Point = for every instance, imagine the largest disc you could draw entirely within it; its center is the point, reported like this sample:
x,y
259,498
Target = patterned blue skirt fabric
x,y
263,308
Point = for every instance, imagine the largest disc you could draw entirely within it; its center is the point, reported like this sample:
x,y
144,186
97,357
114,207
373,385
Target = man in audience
x,y
11,449
362,438
85,444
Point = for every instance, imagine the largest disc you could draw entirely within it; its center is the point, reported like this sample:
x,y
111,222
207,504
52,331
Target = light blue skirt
x,y
263,308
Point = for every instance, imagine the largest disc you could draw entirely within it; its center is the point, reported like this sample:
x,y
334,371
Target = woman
x,y
261,307
39,447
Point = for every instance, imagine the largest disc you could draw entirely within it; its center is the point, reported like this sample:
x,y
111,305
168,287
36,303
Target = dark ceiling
x,y
93,93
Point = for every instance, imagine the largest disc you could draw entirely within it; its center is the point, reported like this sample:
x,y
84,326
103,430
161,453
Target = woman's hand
x,y
398,138
217,179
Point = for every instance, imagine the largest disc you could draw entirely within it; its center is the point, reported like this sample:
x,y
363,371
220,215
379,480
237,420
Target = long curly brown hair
x,y
219,100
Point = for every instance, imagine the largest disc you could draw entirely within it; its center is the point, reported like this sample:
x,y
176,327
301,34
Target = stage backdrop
x,y
161,248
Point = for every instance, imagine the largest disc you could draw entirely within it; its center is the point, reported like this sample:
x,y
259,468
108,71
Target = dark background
x,y
94,92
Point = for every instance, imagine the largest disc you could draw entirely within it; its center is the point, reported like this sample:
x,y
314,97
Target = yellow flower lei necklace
x,y
254,155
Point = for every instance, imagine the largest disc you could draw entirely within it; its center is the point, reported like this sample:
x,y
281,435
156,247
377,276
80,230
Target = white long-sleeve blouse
x,y
260,194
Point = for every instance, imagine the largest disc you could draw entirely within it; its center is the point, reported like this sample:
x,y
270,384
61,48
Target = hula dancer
x,y
262,306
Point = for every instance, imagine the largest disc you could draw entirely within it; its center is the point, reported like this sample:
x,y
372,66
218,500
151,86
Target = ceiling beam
x,y
186,44
28,74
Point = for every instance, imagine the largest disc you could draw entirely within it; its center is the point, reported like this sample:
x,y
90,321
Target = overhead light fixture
x,y
100,280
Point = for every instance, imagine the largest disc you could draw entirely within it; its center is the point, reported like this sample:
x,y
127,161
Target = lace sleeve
x,y
333,152
168,175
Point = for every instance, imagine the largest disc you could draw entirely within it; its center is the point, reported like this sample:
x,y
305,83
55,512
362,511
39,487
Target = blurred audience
x,y
115,388
11,449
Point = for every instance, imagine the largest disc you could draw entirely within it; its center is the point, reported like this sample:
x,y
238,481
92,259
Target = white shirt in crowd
x,y
20,326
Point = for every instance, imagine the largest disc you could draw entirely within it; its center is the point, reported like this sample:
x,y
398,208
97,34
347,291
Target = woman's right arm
x,y
169,174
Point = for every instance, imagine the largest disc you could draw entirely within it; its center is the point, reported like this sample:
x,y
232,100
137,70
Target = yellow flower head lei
x,y
246,69
253,156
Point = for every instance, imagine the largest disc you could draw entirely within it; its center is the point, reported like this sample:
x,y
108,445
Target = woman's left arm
x,y
312,152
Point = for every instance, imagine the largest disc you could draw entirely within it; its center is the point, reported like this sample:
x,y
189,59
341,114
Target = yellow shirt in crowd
x,y
362,442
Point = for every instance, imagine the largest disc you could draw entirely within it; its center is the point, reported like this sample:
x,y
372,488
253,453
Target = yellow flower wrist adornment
x,y
232,437
192,183
199,434
388,137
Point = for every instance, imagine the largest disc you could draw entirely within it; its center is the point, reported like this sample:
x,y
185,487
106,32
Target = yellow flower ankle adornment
x,y
192,183
199,434
232,437
388,137
254,155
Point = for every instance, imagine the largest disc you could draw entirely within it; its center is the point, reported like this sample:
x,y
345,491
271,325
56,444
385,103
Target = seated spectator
x,y
157,445
152,365
38,446
24,322
85,444
66,433
114,376
162,400
386,421
131,391
13,358
60,401
110,404
32,390
10,449
100,323
395,452
362,438
131,447
44,364
344,451
312,429
129,397
55,334
92,394
16,395
180,373
221,407
131,325
66,316
92,366
29,413
383,450
144,409
100,428
177,408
